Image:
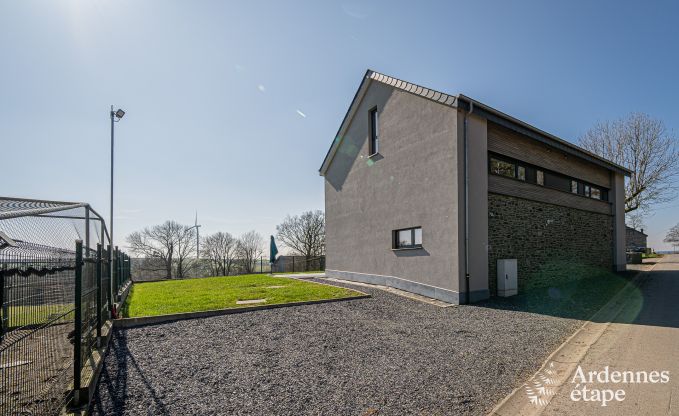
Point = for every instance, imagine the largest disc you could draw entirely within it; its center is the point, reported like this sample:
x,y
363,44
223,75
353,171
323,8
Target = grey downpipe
x,y
467,299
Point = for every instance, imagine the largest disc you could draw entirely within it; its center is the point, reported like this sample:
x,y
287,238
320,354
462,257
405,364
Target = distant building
x,y
635,238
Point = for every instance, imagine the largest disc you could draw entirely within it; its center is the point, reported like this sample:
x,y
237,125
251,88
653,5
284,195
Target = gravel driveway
x,y
387,355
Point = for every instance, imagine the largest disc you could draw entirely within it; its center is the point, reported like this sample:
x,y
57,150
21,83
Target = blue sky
x,y
231,106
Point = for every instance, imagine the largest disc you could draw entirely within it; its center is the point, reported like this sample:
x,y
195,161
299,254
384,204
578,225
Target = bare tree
x,y
250,247
220,250
672,237
643,145
304,234
171,243
635,220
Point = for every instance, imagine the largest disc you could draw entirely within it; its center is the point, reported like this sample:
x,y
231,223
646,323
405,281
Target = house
x,y
426,191
635,239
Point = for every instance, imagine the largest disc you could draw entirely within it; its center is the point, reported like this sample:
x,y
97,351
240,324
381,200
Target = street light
x,y
115,117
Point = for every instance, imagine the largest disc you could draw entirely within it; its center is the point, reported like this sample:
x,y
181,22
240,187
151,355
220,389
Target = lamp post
x,y
115,117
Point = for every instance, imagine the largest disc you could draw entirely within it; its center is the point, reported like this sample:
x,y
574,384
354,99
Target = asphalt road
x,y
644,338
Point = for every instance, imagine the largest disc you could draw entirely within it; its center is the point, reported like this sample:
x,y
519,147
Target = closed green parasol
x,y
273,251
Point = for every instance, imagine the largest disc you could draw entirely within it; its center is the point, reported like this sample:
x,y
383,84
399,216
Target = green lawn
x,y
193,295
20,316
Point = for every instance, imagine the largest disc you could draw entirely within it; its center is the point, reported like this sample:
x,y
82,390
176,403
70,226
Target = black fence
x,y
35,324
294,264
150,269
56,304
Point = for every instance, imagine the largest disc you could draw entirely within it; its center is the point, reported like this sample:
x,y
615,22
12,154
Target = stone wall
x,y
543,236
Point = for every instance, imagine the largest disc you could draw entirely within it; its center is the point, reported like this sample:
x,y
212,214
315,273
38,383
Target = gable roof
x,y
632,229
467,103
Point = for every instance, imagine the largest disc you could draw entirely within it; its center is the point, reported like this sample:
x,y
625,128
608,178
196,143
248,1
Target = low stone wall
x,y
545,238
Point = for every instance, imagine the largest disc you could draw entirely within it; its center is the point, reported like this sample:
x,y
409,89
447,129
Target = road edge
x,y
566,356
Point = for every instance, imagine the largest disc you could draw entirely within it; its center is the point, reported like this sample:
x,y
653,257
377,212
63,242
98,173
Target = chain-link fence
x,y
55,280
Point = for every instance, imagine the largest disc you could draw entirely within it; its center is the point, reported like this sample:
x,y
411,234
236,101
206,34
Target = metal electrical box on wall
x,y
506,277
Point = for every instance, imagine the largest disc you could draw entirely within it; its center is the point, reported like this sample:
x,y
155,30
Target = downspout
x,y
467,300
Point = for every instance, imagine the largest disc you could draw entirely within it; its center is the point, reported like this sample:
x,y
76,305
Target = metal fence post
x,y
99,260
4,307
110,280
293,264
77,333
87,232
118,276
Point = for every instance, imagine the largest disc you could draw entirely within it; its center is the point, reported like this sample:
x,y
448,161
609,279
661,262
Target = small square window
x,y
408,238
521,173
540,178
596,193
574,187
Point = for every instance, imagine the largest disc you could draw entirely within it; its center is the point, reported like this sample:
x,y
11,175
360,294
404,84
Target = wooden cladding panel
x,y
507,142
513,187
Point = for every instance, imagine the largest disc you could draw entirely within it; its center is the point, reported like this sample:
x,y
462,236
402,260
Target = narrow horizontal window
x,y
502,168
515,169
408,238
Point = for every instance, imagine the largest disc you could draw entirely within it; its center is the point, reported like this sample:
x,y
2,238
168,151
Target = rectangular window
x,y
374,132
587,189
540,178
521,173
408,238
596,193
574,187
502,168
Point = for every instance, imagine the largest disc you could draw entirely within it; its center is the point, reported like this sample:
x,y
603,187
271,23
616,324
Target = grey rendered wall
x,y
412,182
